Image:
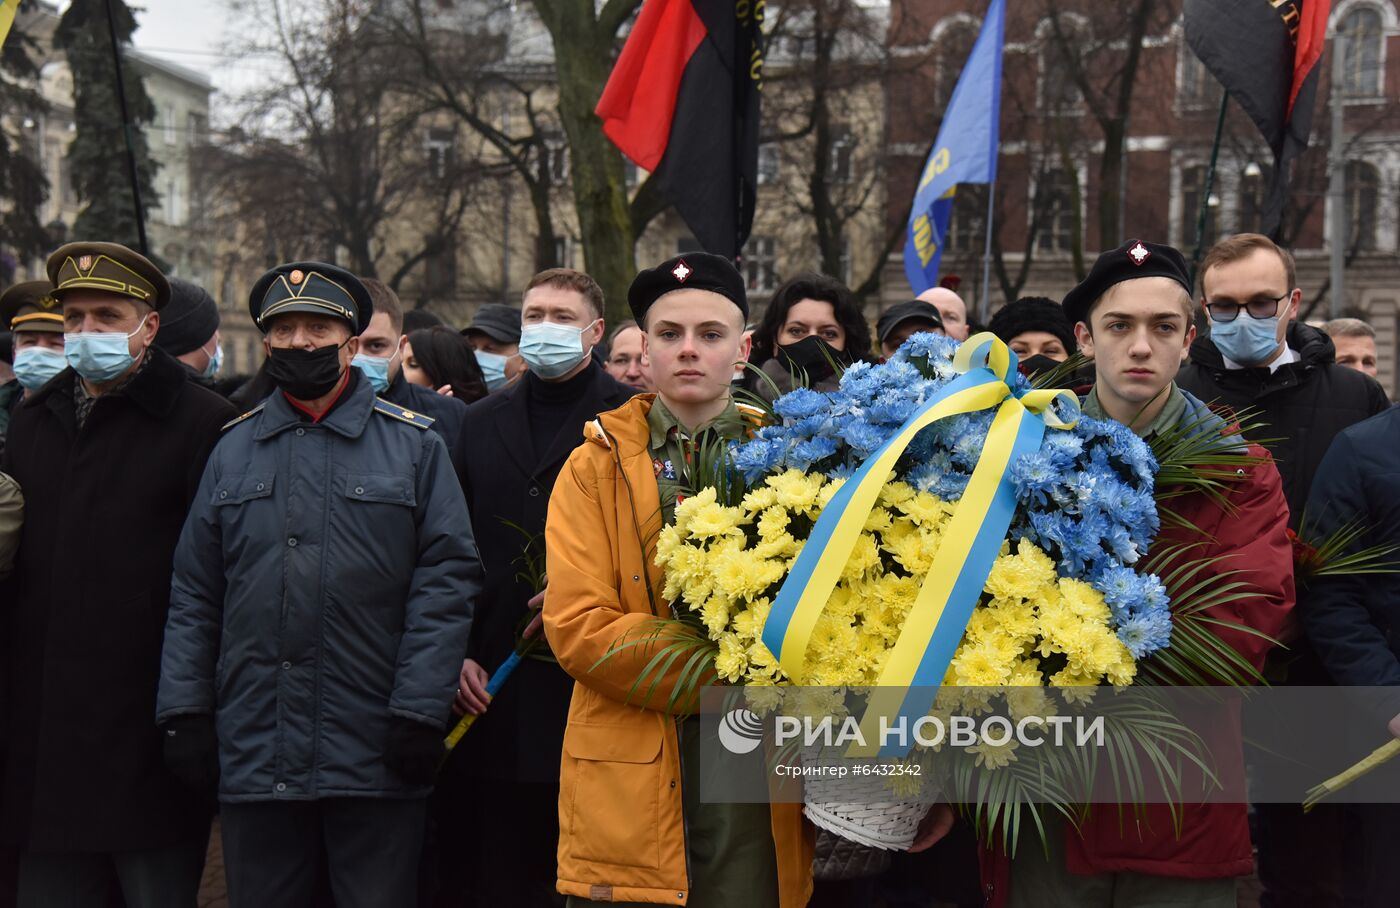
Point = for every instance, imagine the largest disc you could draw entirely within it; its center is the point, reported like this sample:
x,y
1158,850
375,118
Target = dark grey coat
x,y
324,583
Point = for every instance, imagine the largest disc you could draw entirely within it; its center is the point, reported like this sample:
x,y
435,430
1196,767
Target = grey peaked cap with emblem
x,y
691,271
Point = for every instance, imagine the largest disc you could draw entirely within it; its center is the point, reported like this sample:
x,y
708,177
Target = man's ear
x,y
1190,339
352,346
600,327
403,342
1294,300
150,328
745,345
1084,338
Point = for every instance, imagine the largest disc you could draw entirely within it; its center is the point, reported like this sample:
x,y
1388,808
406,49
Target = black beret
x,y
892,317
692,271
314,287
189,320
497,321
1130,261
1033,313
109,267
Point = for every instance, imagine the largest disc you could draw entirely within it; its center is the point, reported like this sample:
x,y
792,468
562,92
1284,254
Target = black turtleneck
x,y
550,402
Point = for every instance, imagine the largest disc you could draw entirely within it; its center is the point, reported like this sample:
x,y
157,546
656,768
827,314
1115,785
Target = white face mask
x,y
552,350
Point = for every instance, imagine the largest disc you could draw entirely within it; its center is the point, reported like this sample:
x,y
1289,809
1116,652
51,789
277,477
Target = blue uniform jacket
x,y
324,583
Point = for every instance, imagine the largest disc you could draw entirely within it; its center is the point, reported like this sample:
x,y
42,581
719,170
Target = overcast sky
x,y
192,33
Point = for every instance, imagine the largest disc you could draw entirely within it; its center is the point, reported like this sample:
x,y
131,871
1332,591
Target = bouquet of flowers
x,y
864,539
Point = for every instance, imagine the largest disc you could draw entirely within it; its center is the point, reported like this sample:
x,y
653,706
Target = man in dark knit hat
x,y
189,331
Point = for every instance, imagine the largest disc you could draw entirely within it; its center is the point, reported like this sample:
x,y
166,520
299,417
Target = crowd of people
x,y
269,597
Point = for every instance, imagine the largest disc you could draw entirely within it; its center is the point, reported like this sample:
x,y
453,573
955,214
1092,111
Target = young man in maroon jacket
x,y
1132,314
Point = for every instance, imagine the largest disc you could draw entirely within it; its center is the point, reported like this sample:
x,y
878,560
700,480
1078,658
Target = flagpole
x,y
1210,185
126,132
982,313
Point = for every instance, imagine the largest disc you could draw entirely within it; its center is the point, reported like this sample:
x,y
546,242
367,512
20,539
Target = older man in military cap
x,y
109,453
321,607
31,314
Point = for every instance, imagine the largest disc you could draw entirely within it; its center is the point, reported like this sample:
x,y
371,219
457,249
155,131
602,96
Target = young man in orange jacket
x,y
631,824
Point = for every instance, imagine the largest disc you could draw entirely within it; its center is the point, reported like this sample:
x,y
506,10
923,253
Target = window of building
x,y
564,251
439,148
1197,88
1363,183
1058,91
767,164
954,47
1193,185
1254,183
760,264
556,152
1361,62
843,146
198,127
1055,199
172,135
966,230
440,271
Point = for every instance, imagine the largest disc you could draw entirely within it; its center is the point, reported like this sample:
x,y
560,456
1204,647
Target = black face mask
x,y
812,356
305,374
1034,365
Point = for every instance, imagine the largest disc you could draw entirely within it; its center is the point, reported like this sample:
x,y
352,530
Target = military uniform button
x,y
359,490
261,486
223,494
292,542
534,491
301,431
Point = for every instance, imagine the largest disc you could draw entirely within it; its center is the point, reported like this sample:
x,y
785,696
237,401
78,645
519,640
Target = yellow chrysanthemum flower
x,y
732,660
994,756
1022,575
796,490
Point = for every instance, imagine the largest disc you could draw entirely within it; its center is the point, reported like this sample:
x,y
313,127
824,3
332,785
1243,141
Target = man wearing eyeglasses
x,y
1259,358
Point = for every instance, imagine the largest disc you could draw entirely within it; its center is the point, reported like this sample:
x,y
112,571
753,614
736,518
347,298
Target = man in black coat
x,y
1258,357
498,798
109,454
1353,620
381,359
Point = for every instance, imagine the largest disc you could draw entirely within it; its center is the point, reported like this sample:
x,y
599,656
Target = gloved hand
x,y
414,750
191,751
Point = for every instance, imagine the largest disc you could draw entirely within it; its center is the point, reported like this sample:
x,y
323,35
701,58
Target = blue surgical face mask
x,y
493,368
552,350
100,356
1246,340
215,361
34,366
376,369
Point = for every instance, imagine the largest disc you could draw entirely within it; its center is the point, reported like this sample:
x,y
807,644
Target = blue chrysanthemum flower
x,y
801,403
1121,588
806,453
863,437
1035,476
892,408
1146,633
758,457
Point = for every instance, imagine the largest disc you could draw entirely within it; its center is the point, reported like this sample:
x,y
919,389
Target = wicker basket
x,y
859,808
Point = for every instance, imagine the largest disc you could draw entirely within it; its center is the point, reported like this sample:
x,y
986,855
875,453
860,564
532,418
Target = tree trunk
x,y
1111,164
583,60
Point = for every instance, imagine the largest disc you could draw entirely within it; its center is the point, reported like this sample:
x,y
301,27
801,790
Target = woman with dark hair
x,y
441,359
812,325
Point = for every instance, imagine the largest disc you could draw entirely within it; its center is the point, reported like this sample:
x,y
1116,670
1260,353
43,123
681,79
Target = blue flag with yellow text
x,y
966,151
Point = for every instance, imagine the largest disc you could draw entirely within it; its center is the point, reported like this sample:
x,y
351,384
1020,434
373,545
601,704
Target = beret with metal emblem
x,y
312,287
109,267
30,306
1132,260
691,271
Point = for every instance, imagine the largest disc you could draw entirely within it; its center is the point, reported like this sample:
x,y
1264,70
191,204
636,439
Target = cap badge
x,y
84,263
681,271
47,302
296,276
1139,253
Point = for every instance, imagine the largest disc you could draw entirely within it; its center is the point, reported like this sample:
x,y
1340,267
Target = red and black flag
x,y
1265,53
682,102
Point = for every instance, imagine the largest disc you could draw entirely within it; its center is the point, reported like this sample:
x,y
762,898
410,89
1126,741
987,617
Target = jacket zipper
x,y
675,725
